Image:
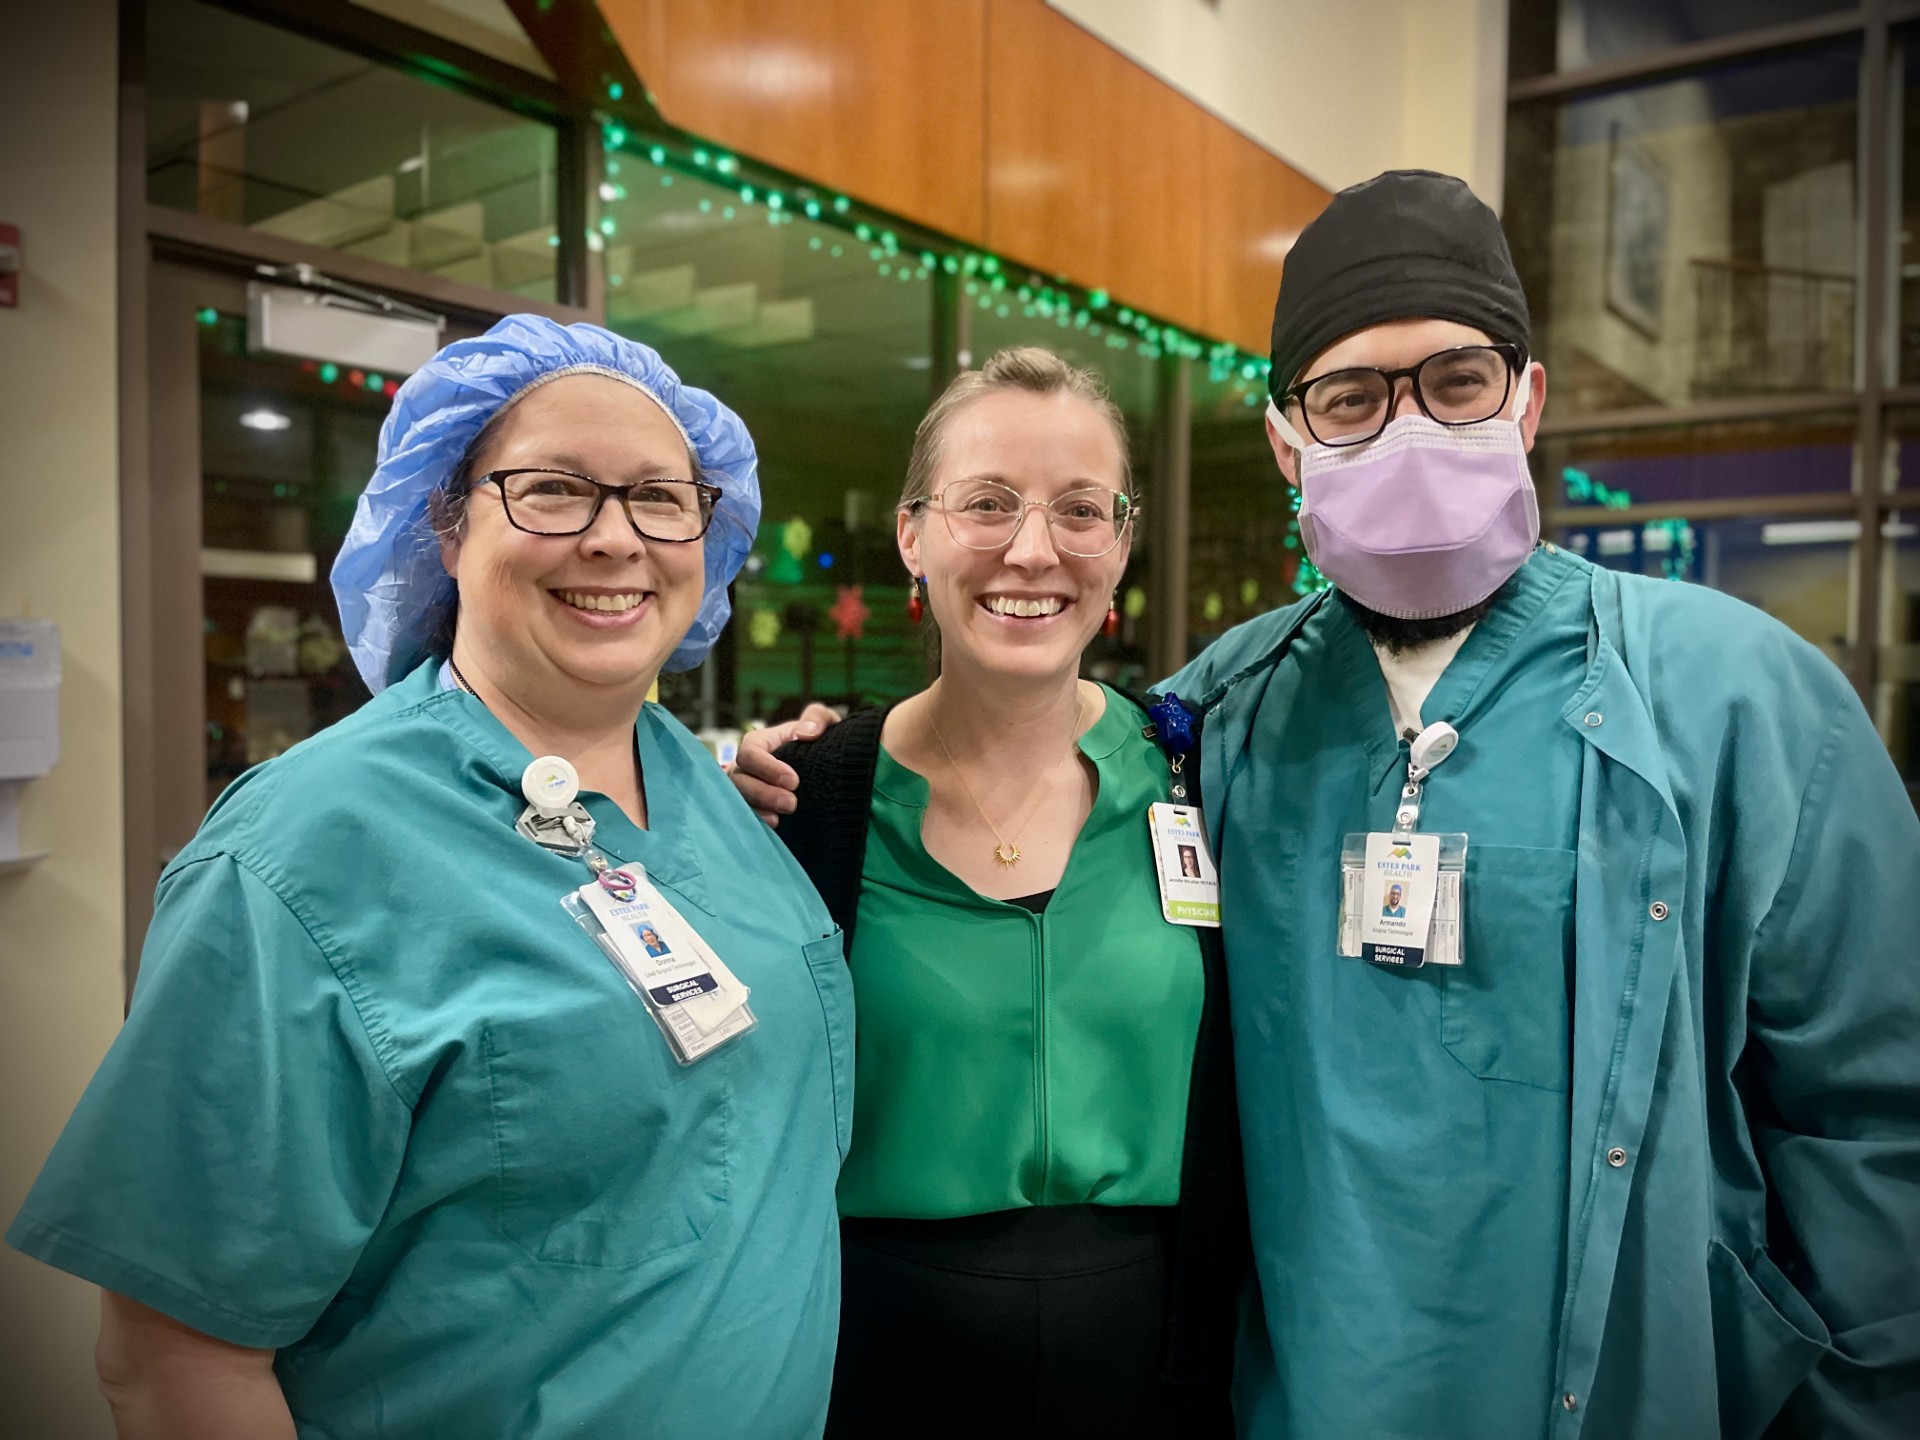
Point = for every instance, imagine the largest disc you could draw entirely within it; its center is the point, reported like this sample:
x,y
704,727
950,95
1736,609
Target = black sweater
x,y
1211,1256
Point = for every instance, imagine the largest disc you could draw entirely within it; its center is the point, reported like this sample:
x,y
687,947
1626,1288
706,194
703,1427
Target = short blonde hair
x,y
1028,368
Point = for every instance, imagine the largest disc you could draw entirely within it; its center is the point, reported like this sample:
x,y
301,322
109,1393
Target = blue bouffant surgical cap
x,y
393,592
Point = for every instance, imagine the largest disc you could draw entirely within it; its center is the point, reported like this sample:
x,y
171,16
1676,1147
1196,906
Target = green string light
x,y
988,279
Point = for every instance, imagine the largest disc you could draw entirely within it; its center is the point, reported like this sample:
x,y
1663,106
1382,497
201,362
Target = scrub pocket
x,y
1766,1340
826,960
609,1153
1503,1014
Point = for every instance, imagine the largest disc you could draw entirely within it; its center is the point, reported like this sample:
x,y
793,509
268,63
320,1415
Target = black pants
x,y
1037,1322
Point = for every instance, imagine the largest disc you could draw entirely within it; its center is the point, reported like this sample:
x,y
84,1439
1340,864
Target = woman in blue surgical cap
x,y
394,1142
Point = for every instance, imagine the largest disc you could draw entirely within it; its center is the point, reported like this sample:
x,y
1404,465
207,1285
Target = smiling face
x,y
1027,610
604,608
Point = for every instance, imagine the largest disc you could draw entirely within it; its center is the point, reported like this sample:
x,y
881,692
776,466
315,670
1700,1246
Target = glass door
x,y
254,464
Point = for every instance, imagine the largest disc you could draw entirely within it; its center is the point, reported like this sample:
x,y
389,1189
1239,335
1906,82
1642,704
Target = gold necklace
x,y
1007,852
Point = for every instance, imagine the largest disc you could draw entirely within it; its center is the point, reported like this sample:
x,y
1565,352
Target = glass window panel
x,y
1908,141
1798,456
1000,321
1593,32
1244,547
1900,466
294,138
286,446
1800,571
824,351
484,25
1694,239
1897,697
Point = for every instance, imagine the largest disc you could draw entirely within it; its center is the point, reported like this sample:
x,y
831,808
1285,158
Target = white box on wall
x,y
29,719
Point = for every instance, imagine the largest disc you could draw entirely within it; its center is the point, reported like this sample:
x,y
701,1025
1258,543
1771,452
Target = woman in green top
x,y
1042,1224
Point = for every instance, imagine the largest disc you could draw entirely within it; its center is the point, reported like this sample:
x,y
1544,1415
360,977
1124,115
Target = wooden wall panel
x,y
1092,163
1255,207
999,122
879,98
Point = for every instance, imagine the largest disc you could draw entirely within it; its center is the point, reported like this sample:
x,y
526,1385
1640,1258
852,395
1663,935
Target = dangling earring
x,y
1112,626
915,609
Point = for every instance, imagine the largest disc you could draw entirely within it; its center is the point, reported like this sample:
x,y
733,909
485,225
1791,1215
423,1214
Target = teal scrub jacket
x,y
1746,1033
381,1106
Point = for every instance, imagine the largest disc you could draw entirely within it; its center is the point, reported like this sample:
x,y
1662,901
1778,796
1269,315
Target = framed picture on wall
x,y
1638,210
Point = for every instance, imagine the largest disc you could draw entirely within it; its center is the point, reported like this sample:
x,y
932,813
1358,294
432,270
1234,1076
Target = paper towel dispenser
x,y
29,720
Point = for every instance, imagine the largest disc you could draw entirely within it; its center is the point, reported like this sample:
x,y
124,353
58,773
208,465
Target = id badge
x,y
1189,884
1401,898
697,1002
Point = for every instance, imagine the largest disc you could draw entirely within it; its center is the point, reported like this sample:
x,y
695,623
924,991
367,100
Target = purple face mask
x,y
1427,519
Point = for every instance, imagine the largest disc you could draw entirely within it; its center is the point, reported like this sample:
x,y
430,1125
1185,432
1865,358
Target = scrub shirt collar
x,y
664,847
909,790
1103,737
1453,697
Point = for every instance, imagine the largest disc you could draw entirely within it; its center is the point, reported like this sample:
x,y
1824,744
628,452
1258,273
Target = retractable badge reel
x,y
695,1000
1400,892
554,818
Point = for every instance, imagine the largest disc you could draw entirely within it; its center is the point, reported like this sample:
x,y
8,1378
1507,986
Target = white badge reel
x,y
1400,892
554,818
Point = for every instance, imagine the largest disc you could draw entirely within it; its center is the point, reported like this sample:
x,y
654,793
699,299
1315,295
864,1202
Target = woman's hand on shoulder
x,y
766,782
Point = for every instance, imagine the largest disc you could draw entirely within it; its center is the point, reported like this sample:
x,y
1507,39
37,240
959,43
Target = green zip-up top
x,y
1005,1058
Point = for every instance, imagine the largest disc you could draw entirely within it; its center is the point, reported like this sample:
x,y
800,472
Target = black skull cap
x,y
1405,245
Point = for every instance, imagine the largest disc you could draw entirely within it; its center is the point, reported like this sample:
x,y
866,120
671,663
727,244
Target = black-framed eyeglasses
x,y
1462,385
559,502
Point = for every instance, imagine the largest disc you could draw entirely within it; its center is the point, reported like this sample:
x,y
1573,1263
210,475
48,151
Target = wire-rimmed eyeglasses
x,y
560,502
1462,385
985,515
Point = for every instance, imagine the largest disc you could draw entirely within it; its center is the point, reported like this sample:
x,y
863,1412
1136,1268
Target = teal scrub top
x,y
381,1106
1741,1242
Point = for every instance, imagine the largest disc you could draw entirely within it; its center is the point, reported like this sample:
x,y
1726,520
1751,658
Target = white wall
x,y
60,924
1340,89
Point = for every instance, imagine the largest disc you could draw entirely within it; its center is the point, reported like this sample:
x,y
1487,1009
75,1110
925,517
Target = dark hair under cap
x,y
1409,244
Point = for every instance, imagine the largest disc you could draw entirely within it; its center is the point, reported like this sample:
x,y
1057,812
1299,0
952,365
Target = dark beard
x,y
1399,635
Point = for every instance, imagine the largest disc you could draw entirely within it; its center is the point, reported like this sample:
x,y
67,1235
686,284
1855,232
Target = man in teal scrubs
x,y
1646,1163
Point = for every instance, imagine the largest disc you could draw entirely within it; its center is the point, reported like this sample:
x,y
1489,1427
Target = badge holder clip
x,y
554,818
1183,864
1372,862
